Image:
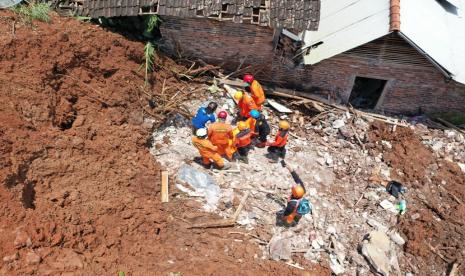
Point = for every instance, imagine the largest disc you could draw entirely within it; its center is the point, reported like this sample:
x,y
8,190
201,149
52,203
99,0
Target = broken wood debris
x,y
225,222
164,186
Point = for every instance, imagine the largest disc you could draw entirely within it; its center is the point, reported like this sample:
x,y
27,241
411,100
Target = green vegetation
x,y
455,118
83,18
151,22
33,11
149,55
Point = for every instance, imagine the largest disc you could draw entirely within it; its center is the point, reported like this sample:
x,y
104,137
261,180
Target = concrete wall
x,y
413,82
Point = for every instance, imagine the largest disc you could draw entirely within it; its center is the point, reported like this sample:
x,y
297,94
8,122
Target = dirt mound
x,y
434,225
80,191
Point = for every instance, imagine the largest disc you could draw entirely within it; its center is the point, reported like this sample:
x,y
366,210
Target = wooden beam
x,y
164,186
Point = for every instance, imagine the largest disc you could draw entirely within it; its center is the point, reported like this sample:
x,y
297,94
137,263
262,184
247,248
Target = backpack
x,y
304,207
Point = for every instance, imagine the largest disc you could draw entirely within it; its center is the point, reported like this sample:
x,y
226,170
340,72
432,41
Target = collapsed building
x,y
382,55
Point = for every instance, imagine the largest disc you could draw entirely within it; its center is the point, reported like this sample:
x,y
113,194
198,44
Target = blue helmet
x,y
255,114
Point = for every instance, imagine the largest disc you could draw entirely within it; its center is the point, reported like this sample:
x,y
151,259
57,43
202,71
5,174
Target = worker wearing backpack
x,y
297,206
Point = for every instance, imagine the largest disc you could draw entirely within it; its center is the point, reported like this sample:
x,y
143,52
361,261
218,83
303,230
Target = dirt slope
x,y
80,192
434,225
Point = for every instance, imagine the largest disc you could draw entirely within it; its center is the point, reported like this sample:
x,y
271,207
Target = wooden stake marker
x,y
164,186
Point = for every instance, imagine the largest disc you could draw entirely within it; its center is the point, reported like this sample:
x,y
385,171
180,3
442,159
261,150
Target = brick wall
x,y
218,42
413,82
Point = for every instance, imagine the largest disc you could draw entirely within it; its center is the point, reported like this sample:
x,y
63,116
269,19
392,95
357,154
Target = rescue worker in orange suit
x,y
256,90
245,104
290,215
277,148
263,130
252,121
219,133
242,141
207,150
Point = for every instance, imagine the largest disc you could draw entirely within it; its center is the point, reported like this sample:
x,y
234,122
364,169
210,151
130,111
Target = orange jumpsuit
x,y
219,134
258,94
246,104
280,140
208,151
251,122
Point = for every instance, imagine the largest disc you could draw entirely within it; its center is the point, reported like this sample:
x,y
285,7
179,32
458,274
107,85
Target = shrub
x,y
33,11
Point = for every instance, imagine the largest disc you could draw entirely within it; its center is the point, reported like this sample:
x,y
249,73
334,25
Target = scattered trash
x,y
337,124
395,188
202,183
402,206
387,205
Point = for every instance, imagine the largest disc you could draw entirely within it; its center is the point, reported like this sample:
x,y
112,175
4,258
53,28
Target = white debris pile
x,y
330,157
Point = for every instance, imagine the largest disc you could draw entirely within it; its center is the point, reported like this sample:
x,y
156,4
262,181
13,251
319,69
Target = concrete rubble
x,y
337,173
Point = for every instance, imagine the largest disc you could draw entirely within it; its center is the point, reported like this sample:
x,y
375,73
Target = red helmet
x,y
223,115
248,78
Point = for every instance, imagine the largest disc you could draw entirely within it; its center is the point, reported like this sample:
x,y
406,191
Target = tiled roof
x,y
292,14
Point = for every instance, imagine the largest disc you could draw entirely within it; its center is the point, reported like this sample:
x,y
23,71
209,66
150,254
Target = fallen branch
x,y
295,265
357,137
448,124
453,270
437,253
251,235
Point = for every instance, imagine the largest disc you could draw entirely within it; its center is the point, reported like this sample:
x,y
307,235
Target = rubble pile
x,y
345,173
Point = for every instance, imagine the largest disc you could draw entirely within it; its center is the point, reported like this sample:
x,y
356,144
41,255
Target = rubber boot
x,y
261,145
226,166
273,158
244,159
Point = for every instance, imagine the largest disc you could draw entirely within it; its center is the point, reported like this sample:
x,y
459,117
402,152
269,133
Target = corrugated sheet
x,y
293,14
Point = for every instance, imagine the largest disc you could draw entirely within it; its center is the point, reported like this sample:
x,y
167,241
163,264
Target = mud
x,y
436,195
79,187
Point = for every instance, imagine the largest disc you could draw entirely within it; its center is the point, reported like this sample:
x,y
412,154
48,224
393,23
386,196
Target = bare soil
x,y
79,190
436,193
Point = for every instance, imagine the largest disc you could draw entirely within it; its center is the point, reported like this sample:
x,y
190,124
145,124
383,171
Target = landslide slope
x,y
79,190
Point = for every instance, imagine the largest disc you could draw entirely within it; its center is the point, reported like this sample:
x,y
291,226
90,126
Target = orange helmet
x,y
248,78
298,191
241,125
284,125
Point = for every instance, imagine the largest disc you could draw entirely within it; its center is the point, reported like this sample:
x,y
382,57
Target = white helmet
x,y
201,132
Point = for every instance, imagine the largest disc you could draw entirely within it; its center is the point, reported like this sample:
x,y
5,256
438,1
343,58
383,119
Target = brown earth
x,y
436,192
80,191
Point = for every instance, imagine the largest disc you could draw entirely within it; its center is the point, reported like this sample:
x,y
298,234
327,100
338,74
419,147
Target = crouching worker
x,y
277,148
220,133
208,151
242,141
204,114
297,206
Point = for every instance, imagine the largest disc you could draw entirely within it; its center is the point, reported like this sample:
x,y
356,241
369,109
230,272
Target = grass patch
x,y
149,55
33,11
455,118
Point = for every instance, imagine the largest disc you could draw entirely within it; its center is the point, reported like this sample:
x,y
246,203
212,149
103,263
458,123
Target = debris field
x,y
82,153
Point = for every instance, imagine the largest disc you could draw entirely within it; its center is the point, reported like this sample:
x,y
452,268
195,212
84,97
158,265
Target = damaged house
x,y
394,56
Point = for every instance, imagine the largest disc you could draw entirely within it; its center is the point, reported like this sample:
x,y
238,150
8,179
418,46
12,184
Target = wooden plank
x,y
164,186
448,124
279,107
224,222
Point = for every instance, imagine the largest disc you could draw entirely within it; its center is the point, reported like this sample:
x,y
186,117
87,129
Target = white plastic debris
x,y
387,205
337,124
203,184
